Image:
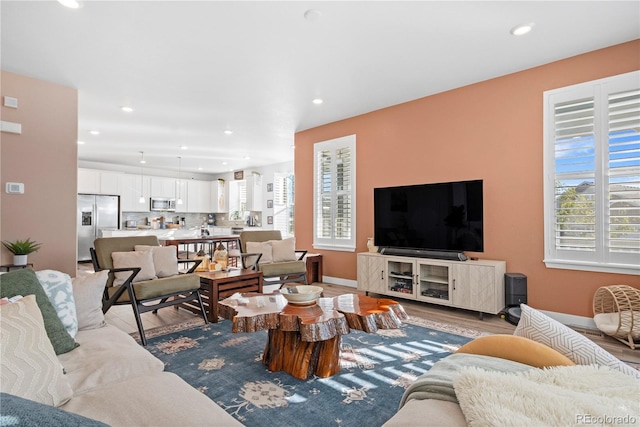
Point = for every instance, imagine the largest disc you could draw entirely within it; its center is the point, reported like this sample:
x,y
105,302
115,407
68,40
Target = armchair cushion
x,y
142,259
284,250
283,268
157,288
165,259
264,248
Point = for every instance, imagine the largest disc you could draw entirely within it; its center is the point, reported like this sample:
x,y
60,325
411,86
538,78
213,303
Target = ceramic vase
x,y
371,246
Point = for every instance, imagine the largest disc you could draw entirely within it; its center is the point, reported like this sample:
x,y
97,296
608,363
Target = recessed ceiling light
x,y
228,132
225,163
94,132
293,146
184,147
127,109
247,157
199,169
80,142
71,4
317,101
521,30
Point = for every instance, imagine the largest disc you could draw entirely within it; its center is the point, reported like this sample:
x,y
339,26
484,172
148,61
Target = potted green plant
x,y
21,249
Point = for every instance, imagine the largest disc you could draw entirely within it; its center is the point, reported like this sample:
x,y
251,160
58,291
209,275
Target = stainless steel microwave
x,y
162,204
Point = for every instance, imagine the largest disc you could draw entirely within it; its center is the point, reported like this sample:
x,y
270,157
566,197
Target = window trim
x,y
572,260
332,243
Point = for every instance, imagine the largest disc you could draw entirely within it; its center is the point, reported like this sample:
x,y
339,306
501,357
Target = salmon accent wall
x,y
492,131
44,158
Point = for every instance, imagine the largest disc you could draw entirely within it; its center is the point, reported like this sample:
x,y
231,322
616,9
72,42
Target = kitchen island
x,y
166,233
207,243
189,240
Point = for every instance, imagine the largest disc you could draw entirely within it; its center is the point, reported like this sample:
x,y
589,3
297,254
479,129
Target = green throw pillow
x,y
16,411
24,282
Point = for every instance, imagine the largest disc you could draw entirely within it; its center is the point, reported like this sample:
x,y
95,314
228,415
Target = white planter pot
x,y
20,259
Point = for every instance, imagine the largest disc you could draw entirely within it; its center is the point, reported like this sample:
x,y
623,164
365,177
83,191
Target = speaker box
x,y
515,289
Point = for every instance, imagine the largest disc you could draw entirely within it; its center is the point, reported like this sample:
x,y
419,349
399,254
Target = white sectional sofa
x,y
106,377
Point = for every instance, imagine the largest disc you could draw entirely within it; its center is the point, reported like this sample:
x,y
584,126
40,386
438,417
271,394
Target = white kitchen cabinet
x,y
132,185
254,191
198,196
219,197
472,285
111,183
88,181
163,187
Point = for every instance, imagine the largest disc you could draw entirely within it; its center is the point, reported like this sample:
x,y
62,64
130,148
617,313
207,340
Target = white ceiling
x,y
191,70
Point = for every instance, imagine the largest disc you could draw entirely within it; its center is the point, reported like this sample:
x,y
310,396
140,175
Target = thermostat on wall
x,y
15,188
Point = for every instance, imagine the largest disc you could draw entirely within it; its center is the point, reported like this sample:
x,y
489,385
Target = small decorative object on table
x,y
371,246
302,294
204,265
221,256
21,249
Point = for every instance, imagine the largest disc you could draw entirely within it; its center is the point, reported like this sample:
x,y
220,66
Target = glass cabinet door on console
x,y
400,276
434,282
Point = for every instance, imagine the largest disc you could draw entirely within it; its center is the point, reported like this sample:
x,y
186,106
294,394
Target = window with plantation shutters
x,y
592,175
334,194
283,206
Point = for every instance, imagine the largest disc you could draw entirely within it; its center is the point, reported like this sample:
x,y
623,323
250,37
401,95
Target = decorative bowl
x,y
301,294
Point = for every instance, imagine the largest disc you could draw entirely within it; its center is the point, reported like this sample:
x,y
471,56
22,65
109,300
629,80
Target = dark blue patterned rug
x,y
376,369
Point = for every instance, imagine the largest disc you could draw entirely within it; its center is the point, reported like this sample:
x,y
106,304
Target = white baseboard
x,y
340,281
571,320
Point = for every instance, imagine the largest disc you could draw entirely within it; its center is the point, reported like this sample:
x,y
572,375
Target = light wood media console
x,y
472,285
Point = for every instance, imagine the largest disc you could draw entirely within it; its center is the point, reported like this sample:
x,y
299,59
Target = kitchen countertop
x,y
172,233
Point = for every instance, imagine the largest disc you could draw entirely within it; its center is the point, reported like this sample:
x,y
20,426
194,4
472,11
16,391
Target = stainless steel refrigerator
x,y
95,213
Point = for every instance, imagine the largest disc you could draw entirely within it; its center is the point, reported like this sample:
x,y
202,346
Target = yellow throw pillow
x,y
517,349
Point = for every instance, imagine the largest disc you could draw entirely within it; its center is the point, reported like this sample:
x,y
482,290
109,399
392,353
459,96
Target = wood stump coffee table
x,y
304,340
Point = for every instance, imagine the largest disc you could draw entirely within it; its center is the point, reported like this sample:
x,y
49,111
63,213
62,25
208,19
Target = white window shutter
x,y
592,175
334,194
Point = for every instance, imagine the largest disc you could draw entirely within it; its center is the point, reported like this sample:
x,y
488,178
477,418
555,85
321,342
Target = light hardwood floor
x,y
122,317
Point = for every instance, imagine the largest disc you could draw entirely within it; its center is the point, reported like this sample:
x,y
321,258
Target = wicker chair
x,y
616,312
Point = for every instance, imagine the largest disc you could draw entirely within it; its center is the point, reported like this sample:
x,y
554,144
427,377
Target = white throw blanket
x,y
559,396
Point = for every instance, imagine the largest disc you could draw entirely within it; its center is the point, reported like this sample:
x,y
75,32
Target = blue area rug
x,y
375,370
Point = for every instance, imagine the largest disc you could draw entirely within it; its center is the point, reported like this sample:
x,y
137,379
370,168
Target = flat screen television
x,y
433,217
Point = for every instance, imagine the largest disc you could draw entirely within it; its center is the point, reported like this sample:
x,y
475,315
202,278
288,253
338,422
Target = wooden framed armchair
x,y
145,275
279,261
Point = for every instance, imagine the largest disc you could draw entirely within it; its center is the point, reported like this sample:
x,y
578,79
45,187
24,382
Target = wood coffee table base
x,y
286,351
305,340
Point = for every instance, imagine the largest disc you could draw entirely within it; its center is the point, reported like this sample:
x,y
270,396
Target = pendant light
x,y
142,162
179,201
